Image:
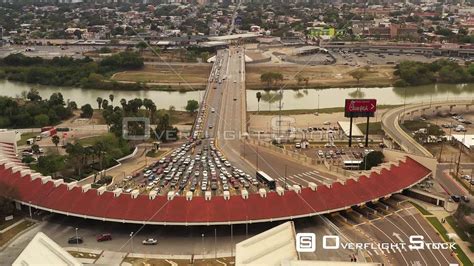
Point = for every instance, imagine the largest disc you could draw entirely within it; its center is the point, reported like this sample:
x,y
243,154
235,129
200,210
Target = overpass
x,y
391,126
391,123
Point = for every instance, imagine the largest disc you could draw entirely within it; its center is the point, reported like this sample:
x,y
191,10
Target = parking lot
x,y
362,58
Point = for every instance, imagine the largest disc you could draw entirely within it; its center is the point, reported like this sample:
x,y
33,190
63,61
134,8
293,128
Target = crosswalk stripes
x,y
311,176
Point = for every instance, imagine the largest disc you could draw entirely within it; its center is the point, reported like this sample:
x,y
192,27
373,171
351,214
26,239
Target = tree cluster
x,y
443,71
33,111
271,78
66,71
372,159
138,108
83,159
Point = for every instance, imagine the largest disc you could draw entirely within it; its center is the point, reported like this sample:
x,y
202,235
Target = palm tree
x,y
123,102
99,151
259,96
111,98
105,103
99,101
55,140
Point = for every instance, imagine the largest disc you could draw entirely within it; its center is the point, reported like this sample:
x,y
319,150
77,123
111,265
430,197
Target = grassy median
x,y
444,234
8,235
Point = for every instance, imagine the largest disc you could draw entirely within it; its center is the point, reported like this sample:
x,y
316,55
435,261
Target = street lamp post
x,y
29,208
77,240
318,103
215,243
202,243
131,242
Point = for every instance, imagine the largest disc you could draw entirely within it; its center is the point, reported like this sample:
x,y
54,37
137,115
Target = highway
x,y
227,124
397,227
390,124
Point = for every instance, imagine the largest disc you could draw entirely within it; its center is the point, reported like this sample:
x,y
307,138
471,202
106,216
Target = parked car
x,y
456,198
150,241
75,240
465,198
104,237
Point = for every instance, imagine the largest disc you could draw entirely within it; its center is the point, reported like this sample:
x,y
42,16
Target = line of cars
x,y
76,240
196,167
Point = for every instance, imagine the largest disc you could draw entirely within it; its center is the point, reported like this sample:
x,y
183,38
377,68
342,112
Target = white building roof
x,y
234,37
268,248
344,126
43,251
466,140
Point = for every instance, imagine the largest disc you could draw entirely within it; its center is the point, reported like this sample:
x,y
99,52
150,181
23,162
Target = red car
x,y
104,237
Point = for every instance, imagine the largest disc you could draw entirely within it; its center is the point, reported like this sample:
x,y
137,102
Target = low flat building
x,y
271,247
43,251
466,140
345,126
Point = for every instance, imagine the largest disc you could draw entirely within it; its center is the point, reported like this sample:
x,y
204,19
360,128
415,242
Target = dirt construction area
x,y
319,76
168,75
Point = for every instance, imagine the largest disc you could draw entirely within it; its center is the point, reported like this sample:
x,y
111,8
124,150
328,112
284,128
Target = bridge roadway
x,y
391,126
228,125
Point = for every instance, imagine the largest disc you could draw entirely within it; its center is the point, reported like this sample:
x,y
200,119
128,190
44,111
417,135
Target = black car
x,y
75,240
455,198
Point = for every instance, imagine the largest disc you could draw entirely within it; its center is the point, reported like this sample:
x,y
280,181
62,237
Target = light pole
x,y
29,208
202,243
131,242
318,103
215,243
231,240
77,240
1,37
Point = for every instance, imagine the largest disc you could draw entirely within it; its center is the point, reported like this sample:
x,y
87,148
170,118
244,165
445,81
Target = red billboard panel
x,y
360,107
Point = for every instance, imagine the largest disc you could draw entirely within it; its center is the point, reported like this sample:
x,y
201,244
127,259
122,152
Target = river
x,y
292,99
334,97
162,99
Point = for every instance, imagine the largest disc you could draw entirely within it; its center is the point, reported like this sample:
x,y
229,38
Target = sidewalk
x,y
462,244
117,258
441,213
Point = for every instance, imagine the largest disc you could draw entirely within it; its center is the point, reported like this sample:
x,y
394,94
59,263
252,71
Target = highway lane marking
x,y
407,235
313,178
426,233
390,239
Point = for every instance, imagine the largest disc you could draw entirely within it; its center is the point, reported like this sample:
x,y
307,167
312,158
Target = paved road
x,y
229,127
397,228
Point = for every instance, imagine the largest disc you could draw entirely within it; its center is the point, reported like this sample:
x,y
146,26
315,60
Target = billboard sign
x,y
360,107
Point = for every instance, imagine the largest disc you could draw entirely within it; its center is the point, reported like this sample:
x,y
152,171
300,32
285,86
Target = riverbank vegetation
x,y
33,111
413,73
67,71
